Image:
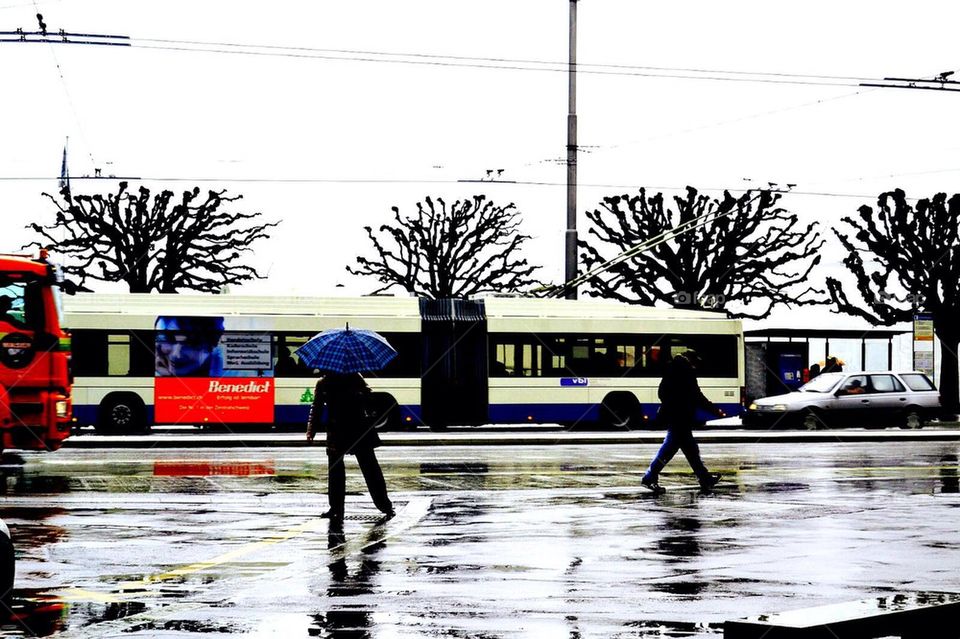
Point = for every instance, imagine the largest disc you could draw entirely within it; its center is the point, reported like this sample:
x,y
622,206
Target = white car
x,y
862,398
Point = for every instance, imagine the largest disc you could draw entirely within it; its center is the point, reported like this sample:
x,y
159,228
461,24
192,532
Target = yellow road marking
x,y
81,594
290,533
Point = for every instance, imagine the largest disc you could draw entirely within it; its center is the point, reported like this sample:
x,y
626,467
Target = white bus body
x,y
498,360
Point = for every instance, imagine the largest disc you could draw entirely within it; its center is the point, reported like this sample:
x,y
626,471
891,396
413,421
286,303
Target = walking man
x,y
680,397
345,396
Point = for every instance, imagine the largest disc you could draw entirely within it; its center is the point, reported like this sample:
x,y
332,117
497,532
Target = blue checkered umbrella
x,y
346,350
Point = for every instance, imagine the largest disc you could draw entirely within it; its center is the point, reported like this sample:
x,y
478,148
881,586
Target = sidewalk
x,y
508,436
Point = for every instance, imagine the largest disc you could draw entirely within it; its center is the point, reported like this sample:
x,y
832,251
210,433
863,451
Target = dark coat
x,y
680,396
346,396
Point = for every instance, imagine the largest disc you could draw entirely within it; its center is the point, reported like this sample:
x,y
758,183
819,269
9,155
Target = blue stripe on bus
x,y
542,413
85,414
498,413
548,413
300,413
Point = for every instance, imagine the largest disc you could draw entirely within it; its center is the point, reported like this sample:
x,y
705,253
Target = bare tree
x,y
913,266
450,252
747,249
167,245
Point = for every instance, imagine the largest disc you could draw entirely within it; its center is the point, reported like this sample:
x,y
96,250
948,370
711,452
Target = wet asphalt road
x,y
488,542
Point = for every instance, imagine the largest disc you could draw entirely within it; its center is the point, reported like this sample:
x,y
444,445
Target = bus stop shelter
x,y
777,359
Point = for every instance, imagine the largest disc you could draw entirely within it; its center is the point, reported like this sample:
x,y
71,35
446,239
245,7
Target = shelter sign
x,y
923,341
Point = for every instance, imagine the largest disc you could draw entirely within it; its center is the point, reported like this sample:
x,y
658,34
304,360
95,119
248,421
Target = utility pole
x,y
571,234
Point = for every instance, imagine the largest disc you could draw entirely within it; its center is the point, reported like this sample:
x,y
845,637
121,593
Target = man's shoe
x,y
710,481
389,514
331,514
652,486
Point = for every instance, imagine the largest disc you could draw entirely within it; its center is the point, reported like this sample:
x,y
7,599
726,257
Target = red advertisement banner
x,y
174,468
207,400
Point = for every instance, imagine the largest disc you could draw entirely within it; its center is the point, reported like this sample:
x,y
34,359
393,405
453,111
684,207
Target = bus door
x,y
454,376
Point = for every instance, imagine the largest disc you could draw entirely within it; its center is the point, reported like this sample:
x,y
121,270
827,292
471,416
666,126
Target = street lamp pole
x,y
571,234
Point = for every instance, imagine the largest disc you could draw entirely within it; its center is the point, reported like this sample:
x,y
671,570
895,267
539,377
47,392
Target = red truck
x,y
35,377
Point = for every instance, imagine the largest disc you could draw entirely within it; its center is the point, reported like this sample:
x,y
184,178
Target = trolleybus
x,y
460,362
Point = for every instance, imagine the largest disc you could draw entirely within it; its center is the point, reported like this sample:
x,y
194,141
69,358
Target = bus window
x,y
532,358
405,364
89,357
143,354
504,365
718,353
118,355
283,345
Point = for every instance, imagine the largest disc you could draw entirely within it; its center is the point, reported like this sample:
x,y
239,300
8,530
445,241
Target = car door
x,y
888,397
852,408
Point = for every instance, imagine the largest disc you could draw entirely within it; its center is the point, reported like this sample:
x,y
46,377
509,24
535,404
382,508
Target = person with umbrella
x,y
342,354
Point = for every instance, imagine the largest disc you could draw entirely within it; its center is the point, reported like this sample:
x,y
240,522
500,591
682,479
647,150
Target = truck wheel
x,y
122,414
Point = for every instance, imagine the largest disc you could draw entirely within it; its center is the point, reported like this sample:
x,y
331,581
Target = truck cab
x,y
35,379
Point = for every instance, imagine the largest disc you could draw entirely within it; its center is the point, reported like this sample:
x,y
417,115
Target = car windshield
x,y
822,383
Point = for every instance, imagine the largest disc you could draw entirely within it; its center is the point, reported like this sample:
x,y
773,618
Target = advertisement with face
x,y
194,354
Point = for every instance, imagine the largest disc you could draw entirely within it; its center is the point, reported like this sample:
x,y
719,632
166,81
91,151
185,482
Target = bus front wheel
x,y
122,413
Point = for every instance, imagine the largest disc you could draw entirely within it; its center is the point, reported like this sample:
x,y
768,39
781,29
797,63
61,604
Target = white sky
x,y
365,136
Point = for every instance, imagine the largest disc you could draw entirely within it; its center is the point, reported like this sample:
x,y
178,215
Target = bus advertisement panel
x,y
205,372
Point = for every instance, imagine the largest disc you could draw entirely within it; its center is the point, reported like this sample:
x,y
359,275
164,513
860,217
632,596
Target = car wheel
x,y
812,419
913,418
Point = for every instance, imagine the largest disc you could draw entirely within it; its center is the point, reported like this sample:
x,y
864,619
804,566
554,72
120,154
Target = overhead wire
x,y
69,96
534,183
498,63
562,66
503,63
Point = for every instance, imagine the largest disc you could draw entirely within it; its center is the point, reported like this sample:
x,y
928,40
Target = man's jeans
x,y
677,439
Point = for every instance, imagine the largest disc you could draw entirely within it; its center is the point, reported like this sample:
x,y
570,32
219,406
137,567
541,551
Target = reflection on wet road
x,y
488,542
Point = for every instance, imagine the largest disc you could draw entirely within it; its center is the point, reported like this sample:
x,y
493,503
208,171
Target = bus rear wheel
x,y
122,413
383,412
619,411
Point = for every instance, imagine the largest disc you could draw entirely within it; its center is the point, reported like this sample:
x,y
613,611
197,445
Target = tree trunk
x,y
949,377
